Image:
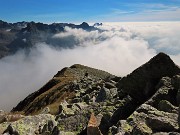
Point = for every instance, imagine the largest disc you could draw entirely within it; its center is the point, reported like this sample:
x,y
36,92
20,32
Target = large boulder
x,y
176,83
27,125
103,94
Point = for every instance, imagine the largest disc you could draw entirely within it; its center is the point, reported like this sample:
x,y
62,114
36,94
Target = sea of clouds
x,y
119,49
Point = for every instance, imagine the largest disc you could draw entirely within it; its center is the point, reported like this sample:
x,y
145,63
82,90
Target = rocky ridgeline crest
x,y
144,102
25,35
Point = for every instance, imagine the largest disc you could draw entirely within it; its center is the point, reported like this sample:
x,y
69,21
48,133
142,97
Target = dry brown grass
x,y
56,95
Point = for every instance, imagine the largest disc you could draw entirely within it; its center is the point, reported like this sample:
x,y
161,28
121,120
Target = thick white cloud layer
x,y
119,50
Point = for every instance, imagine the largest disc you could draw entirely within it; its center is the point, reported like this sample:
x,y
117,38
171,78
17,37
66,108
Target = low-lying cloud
x,y
119,49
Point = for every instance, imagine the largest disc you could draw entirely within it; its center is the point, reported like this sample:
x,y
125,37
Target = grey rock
x,y
162,123
2,118
109,85
76,100
166,133
103,95
113,130
178,97
145,108
51,125
141,129
45,128
164,91
156,120
166,106
11,130
2,112
176,81
86,98
174,133
161,133
28,124
46,110
176,84
113,92
55,131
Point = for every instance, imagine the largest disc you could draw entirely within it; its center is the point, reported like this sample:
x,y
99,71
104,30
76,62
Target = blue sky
x,y
89,10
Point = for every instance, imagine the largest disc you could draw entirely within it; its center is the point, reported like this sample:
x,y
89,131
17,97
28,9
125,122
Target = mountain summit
x,y
142,81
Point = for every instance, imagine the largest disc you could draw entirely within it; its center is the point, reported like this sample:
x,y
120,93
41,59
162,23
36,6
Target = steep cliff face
x,y
85,100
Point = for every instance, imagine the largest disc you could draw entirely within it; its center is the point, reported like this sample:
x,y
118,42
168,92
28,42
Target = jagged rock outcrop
x,y
140,84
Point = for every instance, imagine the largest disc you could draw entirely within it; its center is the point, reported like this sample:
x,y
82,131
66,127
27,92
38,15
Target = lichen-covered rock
x,y
162,123
29,124
158,120
165,91
153,120
141,129
49,127
124,127
67,109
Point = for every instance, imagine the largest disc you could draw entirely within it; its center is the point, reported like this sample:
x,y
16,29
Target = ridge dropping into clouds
x,y
119,49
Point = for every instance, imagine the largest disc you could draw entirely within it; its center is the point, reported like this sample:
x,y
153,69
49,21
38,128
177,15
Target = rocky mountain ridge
x,y
85,101
25,35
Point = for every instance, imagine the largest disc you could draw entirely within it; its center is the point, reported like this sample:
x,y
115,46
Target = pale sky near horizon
x,y
89,10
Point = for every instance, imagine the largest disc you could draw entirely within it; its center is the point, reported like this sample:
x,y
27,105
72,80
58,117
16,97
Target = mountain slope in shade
x,y
142,81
